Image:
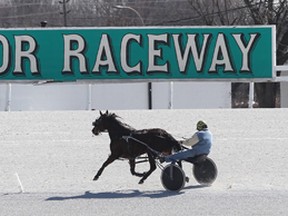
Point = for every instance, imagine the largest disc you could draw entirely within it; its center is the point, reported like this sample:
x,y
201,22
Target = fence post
x,y
171,95
251,95
9,97
89,102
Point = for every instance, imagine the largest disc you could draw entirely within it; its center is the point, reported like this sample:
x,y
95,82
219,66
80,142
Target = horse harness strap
x,y
129,146
126,138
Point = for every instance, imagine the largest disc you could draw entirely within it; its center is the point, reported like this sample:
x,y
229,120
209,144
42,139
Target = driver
x,y
200,144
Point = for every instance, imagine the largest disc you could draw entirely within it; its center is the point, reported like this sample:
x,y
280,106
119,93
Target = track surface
x,y
48,160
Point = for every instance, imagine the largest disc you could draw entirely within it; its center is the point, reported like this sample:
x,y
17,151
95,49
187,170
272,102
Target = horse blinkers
x,y
98,126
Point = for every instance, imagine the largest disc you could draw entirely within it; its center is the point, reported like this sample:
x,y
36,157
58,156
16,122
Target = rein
x,y
126,138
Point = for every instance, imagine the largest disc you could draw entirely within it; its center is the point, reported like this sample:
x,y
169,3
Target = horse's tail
x,y
177,145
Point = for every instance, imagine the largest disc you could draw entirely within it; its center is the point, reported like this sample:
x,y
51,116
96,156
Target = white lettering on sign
x,y
104,56
126,54
245,50
221,56
5,54
70,52
155,53
158,50
191,46
20,54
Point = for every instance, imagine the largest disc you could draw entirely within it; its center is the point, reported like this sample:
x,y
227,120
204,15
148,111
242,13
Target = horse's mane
x,y
115,118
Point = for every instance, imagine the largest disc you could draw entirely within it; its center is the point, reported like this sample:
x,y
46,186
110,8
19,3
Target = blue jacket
x,y
201,147
205,142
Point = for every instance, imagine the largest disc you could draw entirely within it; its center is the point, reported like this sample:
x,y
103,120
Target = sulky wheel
x,y
173,177
205,172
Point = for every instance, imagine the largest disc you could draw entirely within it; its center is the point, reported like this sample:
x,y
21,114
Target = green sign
x,y
148,53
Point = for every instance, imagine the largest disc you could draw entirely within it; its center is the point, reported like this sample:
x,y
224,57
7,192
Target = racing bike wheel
x,y
173,177
205,172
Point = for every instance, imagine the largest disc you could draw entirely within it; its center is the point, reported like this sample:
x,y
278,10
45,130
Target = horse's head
x,y
109,122
100,124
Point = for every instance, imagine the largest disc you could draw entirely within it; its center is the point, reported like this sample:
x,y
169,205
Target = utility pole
x,y
64,11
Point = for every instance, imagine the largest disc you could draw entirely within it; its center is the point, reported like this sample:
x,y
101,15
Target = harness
x,y
130,137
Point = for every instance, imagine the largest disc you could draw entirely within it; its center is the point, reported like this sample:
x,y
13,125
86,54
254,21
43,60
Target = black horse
x,y
150,141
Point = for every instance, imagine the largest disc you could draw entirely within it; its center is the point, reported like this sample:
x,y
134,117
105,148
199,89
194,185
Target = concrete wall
x,y
165,95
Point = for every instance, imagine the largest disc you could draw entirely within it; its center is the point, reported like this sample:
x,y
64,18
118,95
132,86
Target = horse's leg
x,y
109,160
132,168
152,168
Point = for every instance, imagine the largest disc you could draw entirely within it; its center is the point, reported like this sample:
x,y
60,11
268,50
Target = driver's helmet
x,y
201,125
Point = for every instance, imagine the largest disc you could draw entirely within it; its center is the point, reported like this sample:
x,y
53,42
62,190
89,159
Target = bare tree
x,y
248,12
273,12
154,13
224,12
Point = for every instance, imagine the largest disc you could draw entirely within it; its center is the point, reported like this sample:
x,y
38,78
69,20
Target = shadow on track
x,y
116,195
123,194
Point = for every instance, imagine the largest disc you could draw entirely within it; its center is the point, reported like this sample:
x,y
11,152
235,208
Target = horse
x,y
128,143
